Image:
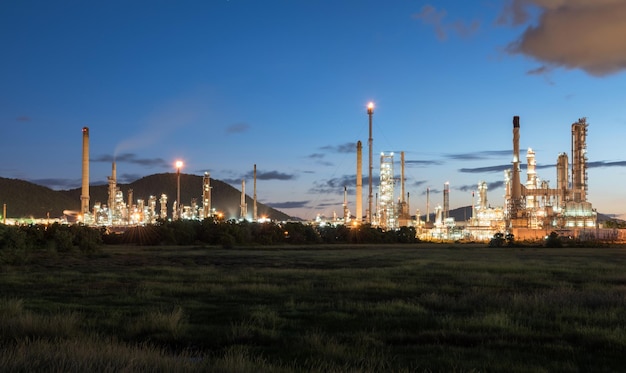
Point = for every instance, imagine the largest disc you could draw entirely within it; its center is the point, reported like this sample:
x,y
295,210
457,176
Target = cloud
x,y
269,175
486,154
477,170
132,158
128,178
523,166
238,128
349,147
430,16
495,185
335,185
422,163
23,118
599,164
431,190
474,187
288,204
572,34
316,156
418,183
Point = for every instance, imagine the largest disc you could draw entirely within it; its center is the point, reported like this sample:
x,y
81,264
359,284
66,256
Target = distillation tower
x,y
534,205
206,195
386,206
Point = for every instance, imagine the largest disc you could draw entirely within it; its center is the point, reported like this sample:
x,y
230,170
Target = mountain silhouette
x,y
25,199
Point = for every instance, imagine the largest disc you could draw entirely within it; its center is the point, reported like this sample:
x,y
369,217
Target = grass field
x,y
409,308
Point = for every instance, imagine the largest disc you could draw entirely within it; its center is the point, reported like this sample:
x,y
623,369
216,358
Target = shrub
x,y
553,240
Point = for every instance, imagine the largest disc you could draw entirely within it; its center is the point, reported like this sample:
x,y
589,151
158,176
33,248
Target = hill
x,y
26,199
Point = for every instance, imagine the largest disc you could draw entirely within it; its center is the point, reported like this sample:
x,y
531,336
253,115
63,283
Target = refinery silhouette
x,y
530,209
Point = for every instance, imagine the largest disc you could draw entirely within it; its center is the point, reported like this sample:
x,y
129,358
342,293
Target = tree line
x,y
16,241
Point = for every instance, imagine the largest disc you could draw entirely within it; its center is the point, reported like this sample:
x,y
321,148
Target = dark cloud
x,y
335,185
599,164
269,175
573,34
419,163
288,204
431,190
432,17
23,118
325,163
478,170
238,128
501,168
128,178
232,181
418,183
349,147
486,154
132,159
474,187
495,185
316,156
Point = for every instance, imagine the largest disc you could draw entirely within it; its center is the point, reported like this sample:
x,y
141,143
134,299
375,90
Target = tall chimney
x,y
84,196
244,207
516,186
112,188
254,212
346,212
359,182
446,200
427,205
370,143
402,177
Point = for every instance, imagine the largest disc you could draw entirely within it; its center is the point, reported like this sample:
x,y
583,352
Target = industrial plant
x,y
530,209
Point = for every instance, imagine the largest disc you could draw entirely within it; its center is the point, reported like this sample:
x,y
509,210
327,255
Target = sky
x,y
226,84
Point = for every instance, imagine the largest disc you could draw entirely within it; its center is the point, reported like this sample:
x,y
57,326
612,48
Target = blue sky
x,y
224,85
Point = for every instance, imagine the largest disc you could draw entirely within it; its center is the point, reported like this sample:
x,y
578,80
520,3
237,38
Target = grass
x,y
412,308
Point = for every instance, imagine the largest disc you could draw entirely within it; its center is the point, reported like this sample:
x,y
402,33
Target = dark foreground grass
x,y
328,309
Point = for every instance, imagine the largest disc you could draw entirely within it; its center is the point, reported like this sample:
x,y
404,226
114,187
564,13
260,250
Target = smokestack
x,y
112,188
244,207
427,205
446,200
346,213
516,187
254,216
402,176
130,203
84,196
370,142
562,179
359,182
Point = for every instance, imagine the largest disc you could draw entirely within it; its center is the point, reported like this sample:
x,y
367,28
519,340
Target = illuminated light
x,y
370,107
179,164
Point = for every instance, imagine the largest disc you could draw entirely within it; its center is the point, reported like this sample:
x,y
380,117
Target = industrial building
x,y
531,209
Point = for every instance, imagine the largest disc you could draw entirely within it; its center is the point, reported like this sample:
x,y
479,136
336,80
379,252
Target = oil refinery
x,y
530,209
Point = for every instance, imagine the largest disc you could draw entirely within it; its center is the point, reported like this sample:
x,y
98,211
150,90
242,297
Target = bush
x,y
553,240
